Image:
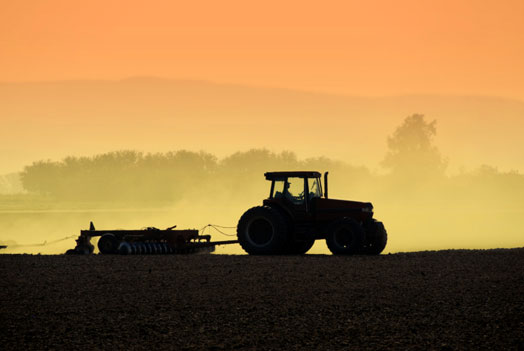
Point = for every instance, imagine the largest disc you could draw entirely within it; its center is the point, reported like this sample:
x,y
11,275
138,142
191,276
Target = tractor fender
x,y
282,209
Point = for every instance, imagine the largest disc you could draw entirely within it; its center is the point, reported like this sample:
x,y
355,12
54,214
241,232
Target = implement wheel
x,y
262,230
108,244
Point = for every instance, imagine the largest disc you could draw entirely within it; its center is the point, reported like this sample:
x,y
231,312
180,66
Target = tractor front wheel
x,y
345,237
376,237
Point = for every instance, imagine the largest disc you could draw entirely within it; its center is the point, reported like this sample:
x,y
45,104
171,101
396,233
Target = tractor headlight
x,y
367,209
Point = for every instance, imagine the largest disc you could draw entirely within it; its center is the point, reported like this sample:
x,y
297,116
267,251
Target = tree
x,y
411,152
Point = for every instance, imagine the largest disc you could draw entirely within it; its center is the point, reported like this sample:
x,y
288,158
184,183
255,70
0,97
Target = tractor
x,y
298,212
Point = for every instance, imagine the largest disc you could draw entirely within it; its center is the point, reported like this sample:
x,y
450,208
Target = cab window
x,y
278,190
296,189
314,188
291,189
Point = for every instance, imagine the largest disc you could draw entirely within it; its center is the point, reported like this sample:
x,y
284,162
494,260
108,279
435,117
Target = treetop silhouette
x,y
411,151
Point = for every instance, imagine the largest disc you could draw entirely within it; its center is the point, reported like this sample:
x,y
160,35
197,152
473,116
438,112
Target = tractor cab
x,y
300,194
294,189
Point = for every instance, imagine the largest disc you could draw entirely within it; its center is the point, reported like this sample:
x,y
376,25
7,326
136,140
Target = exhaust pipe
x,y
326,184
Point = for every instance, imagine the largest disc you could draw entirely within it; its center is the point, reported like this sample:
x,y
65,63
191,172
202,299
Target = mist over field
x,y
423,206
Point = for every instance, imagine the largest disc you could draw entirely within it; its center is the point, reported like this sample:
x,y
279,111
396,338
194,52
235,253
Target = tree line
x,y
413,166
128,175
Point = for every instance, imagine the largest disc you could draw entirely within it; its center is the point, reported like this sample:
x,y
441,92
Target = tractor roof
x,y
301,174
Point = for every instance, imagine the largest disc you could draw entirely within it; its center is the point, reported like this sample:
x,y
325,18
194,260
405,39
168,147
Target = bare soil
x,y
442,300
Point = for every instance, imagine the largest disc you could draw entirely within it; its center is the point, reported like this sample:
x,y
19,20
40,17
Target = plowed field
x,y
442,300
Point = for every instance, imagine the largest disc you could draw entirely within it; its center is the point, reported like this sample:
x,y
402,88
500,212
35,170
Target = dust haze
x,y
423,206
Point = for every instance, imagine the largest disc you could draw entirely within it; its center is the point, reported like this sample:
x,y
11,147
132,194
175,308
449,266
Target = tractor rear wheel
x,y
377,238
108,244
298,247
262,230
345,237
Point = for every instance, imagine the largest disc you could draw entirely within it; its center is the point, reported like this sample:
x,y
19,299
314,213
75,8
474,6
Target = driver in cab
x,y
287,195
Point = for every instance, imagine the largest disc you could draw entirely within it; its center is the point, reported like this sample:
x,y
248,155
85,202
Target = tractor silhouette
x,y
298,212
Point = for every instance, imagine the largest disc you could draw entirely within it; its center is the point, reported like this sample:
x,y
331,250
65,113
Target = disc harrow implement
x,y
147,241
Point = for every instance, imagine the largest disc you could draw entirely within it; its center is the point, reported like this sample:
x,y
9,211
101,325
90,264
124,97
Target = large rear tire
x,y
345,237
298,247
262,230
377,238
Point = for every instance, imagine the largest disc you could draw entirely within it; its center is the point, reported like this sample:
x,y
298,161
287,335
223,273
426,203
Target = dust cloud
x,y
422,205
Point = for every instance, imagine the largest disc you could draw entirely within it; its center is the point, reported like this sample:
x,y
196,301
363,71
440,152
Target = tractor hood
x,y
332,208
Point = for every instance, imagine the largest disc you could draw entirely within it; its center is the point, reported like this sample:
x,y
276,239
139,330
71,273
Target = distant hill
x,y
55,119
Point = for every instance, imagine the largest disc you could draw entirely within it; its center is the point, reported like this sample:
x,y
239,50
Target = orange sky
x,y
351,47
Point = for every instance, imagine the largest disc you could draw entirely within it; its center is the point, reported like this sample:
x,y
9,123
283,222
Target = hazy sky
x,y
352,47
